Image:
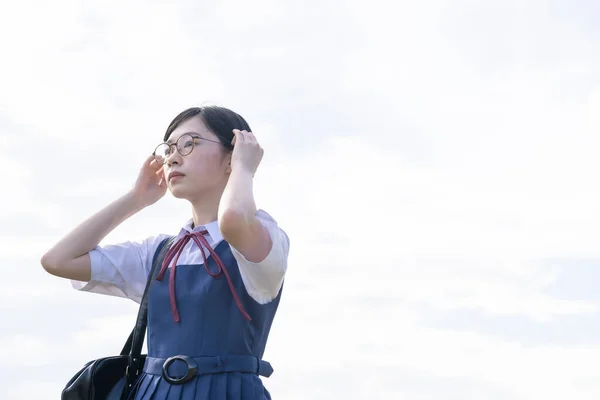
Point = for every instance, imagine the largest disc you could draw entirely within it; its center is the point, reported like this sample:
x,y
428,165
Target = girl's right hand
x,y
151,184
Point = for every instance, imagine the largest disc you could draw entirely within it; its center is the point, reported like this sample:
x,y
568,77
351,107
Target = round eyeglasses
x,y
184,145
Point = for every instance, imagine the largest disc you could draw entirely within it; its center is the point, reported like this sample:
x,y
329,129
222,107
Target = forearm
x,y
238,222
237,218
238,196
90,233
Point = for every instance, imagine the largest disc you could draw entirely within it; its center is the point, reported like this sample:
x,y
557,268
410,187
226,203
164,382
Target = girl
x,y
215,297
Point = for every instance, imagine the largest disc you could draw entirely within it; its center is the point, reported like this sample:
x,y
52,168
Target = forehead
x,y
194,125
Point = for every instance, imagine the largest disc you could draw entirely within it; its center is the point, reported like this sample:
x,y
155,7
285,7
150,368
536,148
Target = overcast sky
x,y
435,165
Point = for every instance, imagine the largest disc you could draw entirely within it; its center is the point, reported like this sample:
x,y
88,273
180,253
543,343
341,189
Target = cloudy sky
x,y
434,164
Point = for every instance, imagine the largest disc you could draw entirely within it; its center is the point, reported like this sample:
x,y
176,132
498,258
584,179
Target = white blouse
x,y
122,269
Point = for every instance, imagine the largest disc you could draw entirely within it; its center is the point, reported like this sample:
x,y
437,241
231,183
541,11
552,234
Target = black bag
x,y
112,378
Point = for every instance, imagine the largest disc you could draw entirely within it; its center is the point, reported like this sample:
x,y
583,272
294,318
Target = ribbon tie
x,y
175,251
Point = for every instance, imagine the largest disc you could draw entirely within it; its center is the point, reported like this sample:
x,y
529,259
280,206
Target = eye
x,y
188,143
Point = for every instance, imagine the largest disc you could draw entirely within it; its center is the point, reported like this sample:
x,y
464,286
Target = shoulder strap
x,y
135,341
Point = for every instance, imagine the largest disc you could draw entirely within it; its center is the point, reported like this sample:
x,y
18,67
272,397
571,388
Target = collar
x,y
212,228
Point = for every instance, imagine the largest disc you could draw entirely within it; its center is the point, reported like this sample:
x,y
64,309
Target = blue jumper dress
x,y
217,352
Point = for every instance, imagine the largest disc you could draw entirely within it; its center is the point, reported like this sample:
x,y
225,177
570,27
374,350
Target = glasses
x,y
184,145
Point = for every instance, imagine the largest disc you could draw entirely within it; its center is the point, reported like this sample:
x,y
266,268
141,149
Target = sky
x,y
434,164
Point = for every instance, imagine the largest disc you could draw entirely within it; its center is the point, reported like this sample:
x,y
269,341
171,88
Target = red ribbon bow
x,y
176,250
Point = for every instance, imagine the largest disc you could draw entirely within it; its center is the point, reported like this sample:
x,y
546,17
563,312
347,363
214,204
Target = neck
x,y
205,210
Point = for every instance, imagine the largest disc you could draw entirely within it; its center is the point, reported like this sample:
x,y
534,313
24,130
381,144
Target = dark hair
x,y
219,120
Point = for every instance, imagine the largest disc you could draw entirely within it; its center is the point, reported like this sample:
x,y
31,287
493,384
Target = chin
x,y
179,192
183,192
178,195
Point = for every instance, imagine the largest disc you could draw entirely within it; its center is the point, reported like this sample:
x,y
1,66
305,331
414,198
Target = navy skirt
x,y
221,386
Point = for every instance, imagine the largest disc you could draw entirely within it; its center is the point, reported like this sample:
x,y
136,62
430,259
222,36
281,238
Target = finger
x,y
149,160
155,165
240,136
160,174
250,137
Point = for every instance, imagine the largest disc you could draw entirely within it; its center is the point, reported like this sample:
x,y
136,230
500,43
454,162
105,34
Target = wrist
x,y
238,195
134,203
242,171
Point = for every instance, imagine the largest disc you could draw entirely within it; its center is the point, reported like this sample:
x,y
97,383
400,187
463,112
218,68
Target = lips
x,y
173,174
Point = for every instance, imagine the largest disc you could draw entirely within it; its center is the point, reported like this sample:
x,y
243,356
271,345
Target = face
x,y
205,169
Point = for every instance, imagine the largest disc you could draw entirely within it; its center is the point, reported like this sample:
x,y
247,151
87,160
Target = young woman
x,y
218,290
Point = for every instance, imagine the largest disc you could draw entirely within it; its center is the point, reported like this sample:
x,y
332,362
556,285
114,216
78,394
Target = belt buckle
x,y
192,368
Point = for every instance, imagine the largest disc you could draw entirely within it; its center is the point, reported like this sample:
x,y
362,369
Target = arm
x,y
263,280
258,244
70,259
237,218
237,210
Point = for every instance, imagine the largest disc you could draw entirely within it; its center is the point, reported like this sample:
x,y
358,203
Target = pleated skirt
x,y
221,386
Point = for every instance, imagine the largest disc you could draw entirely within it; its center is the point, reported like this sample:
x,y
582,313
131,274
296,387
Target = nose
x,y
174,157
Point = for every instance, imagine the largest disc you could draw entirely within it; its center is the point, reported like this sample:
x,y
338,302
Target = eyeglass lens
x,y
185,145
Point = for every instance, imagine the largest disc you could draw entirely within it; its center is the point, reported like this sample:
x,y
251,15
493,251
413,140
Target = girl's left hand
x,y
247,153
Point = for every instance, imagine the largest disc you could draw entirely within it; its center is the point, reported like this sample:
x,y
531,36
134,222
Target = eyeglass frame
x,y
193,135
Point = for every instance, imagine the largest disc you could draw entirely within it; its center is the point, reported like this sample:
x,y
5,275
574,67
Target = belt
x,y
180,369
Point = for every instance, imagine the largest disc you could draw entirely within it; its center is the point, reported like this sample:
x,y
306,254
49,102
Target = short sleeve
x,y
263,280
122,269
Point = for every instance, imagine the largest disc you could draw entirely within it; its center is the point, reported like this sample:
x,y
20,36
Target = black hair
x,y
219,120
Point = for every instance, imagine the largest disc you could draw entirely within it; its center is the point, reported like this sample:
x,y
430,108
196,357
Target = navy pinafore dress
x,y
215,346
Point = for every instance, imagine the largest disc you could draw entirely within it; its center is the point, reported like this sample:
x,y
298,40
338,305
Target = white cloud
x,y
23,292
27,350
32,389
437,156
110,330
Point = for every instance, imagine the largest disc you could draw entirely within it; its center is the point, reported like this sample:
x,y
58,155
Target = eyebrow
x,y
196,134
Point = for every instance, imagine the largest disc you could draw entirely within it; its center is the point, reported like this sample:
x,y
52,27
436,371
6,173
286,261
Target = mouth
x,y
175,175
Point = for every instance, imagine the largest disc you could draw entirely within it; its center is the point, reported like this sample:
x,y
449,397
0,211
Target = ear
x,y
228,161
